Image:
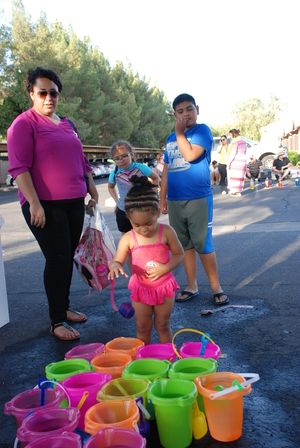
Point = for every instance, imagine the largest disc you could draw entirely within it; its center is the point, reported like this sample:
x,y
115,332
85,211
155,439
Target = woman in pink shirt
x,y
47,161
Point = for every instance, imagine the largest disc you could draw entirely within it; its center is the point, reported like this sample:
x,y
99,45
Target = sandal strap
x,y
63,324
75,312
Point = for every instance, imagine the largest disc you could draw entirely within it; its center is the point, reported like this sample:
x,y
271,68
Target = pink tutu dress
x,y
142,288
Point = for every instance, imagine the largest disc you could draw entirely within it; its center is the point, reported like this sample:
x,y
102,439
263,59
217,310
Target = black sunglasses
x,y
223,139
44,93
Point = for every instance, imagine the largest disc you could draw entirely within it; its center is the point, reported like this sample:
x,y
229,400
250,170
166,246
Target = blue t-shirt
x,y
189,180
122,179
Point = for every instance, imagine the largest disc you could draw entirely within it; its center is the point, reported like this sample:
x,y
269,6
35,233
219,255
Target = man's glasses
x,y
44,93
123,157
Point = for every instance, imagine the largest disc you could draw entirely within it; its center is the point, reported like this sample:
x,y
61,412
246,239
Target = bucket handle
x,y
51,382
240,386
193,330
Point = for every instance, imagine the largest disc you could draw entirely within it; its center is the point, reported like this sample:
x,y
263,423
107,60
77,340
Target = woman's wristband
x,y
94,200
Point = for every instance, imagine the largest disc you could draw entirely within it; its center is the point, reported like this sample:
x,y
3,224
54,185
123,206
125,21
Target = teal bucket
x,y
191,368
172,401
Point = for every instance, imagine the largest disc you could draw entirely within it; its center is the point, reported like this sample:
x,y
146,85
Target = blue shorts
x,y
192,221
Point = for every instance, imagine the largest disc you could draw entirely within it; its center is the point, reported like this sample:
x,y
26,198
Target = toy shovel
x,y
199,422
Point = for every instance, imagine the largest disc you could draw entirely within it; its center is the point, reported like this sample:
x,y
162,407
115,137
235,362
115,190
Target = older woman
x,y
47,161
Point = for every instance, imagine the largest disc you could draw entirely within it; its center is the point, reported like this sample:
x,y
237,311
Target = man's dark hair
x,y
181,98
40,72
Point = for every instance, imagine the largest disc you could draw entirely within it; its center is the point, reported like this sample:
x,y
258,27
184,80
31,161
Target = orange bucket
x,y
116,413
125,345
225,413
111,363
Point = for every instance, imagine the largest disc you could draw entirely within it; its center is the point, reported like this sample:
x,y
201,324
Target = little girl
x,y
152,283
122,153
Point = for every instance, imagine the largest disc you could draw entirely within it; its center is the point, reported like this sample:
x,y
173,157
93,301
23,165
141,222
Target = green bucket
x,y
191,368
59,371
148,368
172,401
124,388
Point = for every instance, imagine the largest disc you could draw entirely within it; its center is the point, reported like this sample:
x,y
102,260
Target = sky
x,y
219,51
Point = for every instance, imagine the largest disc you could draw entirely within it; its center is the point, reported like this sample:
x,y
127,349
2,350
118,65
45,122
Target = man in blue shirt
x,y
187,196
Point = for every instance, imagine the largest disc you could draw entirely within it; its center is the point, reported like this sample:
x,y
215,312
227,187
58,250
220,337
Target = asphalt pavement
x,y
257,241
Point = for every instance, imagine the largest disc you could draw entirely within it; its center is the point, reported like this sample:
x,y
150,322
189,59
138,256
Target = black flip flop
x,y
189,295
217,296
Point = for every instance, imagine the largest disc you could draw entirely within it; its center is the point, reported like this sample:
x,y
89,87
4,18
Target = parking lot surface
x,y
257,242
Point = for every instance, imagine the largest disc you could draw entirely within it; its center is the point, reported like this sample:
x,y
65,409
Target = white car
x,y
10,181
98,169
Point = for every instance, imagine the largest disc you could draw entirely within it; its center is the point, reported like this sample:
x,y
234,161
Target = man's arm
x,y
188,151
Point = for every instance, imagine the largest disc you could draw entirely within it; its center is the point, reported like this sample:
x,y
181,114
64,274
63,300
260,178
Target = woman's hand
x,y
91,204
155,271
115,269
37,215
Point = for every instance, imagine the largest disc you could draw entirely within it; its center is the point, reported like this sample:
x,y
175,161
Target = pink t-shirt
x,y
51,153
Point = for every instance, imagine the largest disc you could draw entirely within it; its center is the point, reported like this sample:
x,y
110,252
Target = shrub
x,y
294,157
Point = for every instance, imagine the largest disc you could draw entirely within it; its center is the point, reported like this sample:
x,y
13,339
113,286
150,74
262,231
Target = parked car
x,y
107,163
150,161
10,181
265,153
98,169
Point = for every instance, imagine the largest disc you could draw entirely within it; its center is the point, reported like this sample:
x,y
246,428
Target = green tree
x,y
105,104
251,115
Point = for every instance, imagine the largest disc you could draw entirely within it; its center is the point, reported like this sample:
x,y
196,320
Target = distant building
x,y
283,132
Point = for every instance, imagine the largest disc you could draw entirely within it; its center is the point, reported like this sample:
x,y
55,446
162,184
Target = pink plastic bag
x,y
94,252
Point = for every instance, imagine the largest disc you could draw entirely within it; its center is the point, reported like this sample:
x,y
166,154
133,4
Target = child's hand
x,y
154,270
180,125
115,269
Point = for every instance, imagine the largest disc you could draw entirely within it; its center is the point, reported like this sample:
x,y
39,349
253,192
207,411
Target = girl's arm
x,y
155,177
116,266
163,190
177,255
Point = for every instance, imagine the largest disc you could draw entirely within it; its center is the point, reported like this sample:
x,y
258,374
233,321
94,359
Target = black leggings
x,y
58,241
223,173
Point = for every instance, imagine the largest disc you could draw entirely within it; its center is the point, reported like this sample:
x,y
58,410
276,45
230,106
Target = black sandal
x,y
218,302
64,324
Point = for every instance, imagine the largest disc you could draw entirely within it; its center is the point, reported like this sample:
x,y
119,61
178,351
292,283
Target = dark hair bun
x,y
140,181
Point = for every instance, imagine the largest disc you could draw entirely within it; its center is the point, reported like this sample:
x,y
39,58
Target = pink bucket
x,y
70,440
193,349
116,437
157,351
86,351
48,422
77,385
30,400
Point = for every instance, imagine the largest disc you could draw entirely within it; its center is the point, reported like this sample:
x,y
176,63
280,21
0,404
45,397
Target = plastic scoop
x,y
199,422
204,343
144,427
84,397
253,378
43,384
